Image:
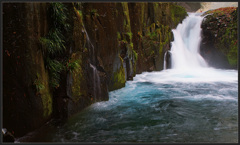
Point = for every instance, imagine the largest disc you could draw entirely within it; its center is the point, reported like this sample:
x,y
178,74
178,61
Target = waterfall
x,y
185,47
165,61
96,82
89,43
96,78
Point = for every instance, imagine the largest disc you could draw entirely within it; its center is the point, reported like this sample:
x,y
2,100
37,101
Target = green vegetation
x,y
38,83
226,39
135,55
54,42
78,90
118,36
177,13
71,66
152,35
119,77
59,15
228,44
41,85
93,12
80,13
130,35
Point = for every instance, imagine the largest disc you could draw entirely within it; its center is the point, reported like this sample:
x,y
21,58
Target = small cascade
x,y
89,44
165,61
96,78
96,82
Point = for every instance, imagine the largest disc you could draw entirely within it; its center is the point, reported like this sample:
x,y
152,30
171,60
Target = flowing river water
x,y
190,102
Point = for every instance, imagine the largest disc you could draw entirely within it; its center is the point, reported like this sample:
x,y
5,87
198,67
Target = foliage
x,y
38,83
72,65
58,15
80,12
177,13
54,42
152,35
135,54
94,12
130,35
55,68
118,36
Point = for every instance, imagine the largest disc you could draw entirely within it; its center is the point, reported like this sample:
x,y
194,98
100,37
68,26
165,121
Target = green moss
x,y
127,26
78,90
131,45
80,13
119,77
55,68
94,12
118,36
53,43
41,83
152,35
228,42
72,65
135,55
232,55
130,35
59,15
38,83
47,104
177,13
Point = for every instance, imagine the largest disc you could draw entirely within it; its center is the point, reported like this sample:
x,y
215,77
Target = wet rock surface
x,y
219,37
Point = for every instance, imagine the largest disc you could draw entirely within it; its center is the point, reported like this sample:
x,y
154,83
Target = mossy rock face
x,y
118,78
219,37
118,39
151,25
78,90
178,13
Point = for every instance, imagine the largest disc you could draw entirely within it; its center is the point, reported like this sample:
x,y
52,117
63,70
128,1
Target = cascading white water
x,y
96,78
96,82
185,47
164,62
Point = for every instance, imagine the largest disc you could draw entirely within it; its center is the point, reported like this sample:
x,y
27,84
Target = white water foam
x,y
185,47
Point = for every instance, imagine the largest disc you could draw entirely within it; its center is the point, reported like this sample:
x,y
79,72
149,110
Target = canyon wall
x,y
58,58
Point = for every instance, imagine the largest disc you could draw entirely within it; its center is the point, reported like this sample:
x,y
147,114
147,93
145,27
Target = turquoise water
x,y
177,108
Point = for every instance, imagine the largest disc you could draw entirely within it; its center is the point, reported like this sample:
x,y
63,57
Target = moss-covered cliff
x,y
151,25
219,37
59,58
